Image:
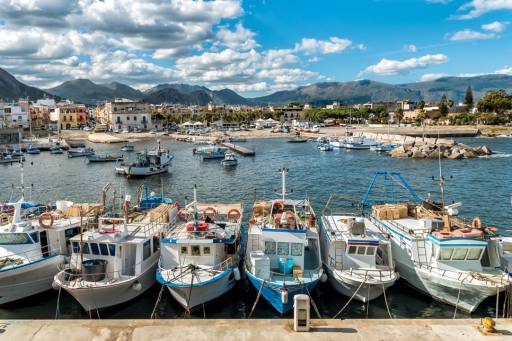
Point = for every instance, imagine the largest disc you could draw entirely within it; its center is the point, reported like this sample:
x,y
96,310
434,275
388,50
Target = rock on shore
x,y
453,151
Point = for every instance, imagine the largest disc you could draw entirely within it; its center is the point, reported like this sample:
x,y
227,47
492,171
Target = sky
x,y
254,47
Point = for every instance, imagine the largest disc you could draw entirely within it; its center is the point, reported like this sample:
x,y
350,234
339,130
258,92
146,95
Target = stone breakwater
x,y
428,148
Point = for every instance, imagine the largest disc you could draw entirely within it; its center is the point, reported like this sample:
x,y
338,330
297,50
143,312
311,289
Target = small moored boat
x,y
128,147
230,160
56,150
105,157
31,149
80,152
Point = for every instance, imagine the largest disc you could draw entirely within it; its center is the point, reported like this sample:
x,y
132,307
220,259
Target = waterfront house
x,y
13,115
70,116
125,114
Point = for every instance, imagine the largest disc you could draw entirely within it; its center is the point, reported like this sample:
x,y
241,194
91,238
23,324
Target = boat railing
x,y
164,221
176,273
382,274
466,276
181,232
417,233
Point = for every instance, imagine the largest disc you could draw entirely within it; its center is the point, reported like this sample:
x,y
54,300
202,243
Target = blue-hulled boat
x,y
151,200
31,149
283,250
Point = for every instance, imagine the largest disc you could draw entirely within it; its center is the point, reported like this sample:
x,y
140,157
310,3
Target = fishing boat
x,y
356,254
31,149
230,160
17,152
147,200
116,262
105,157
383,147
237,139
298,139
337,143
325,147
210,153
9,158
200,257
358,143
435,251
128,148
148,163
80,152
56,150
31,251
505,248
283,251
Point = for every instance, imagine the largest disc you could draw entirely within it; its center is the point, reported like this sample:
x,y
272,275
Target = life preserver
x,y
234,211
46,216
252,221
312,220
280,204
183,214
210,211
491,230
477,223
290,218
104,231
200,227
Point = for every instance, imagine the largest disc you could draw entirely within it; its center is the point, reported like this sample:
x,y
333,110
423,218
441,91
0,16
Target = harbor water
x,y
483,185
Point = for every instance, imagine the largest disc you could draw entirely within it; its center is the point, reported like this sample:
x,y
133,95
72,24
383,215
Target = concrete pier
x,y
240,330
239,149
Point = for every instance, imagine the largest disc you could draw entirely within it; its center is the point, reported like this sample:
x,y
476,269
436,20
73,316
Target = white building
x,y
13,116
125,115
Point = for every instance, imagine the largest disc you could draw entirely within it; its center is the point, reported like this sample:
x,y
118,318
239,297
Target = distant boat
x,y
9,158
56,150
148,163
31,149
237,139
209,153
325,147
383,147
128,148
105,157
151,200
298,139
80,152
230,160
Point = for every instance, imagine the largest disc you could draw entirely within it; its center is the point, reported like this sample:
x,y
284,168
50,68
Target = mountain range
x,y
353,92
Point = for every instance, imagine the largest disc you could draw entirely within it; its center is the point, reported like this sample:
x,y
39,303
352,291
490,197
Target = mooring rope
x,y
458,297
386,301
257,299
57,310
153,313
351,298
313,302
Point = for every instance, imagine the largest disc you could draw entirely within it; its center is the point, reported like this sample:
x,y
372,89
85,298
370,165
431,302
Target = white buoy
x,y
323,278
55,286
284,296
137,286
236,272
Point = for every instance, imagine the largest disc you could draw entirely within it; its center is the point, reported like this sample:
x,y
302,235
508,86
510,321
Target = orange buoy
x,y
235,212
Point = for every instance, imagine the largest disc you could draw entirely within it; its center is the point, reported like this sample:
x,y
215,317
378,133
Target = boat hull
x,y
141,171
271,291
192,296
100,297
30,279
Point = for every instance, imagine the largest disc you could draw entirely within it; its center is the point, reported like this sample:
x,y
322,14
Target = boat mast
x,y
283,181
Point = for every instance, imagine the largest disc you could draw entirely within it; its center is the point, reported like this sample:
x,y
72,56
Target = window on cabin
x,y
184,250
296,249
95,249
68,233
283,249
156,244
445,253
352,250
112,249
103,249
76,247
146,249
474,253
361,250
206,250
86,248
14,239
459,253
270,247
370,251
35,237
196,250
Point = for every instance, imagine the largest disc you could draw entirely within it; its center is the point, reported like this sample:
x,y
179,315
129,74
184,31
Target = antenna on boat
x,y
283,181
441,178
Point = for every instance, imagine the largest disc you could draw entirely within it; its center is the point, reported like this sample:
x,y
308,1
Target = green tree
x,y
468,99
443,106
399,115
497,101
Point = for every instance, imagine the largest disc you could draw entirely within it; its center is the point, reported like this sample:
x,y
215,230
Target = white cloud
x,y
432,76
388,67
477,8
410,48
241,38
496,26
333,45
444,2
468,34
507,70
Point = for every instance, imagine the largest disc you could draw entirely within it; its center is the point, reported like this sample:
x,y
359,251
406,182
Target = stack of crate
x,y
390,212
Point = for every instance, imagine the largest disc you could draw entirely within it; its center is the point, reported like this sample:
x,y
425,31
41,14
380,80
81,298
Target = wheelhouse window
x,y
112,249
296,249
206,250
35,236
459,253
76,247
283,249
156,244
14,239
184,250
352,250
370,250
196,250
270,247
361,250
146,249
86,248
474,253
445,253
71,232
103,249
95,249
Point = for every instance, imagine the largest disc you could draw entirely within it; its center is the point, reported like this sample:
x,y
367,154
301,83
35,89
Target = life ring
x,y
43,217
234,211
183,214
312,220
477,223
106,231
280,204
252,221
200,227
210,211
491,230
290,218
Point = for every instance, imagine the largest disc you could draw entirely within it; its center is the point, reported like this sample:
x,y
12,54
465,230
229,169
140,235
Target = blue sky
x,y
253,46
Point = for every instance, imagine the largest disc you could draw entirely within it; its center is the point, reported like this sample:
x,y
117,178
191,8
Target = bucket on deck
x,y
93,270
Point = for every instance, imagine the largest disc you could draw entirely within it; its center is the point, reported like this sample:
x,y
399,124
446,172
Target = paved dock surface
x,y
239,149
238,330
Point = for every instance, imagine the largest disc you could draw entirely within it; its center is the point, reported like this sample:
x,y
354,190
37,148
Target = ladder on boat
x,y
421,250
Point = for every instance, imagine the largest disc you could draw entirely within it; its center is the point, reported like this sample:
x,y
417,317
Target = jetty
x,y
105,138
249,329
239,149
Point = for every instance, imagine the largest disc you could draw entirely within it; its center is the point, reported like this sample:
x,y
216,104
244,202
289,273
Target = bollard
x,y
301,312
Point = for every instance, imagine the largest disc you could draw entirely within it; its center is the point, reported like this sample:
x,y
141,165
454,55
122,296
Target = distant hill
x,y
192,94
12,89
88,92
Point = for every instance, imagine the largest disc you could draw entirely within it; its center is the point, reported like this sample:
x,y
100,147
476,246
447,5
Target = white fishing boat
x,y
383,147
506,254
148,163
325,147
358,143
200,257
128,147
80,152
105,157
31,251
56,150
356,255
283,250
230,160
31,149
116,262
438,253
210,153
